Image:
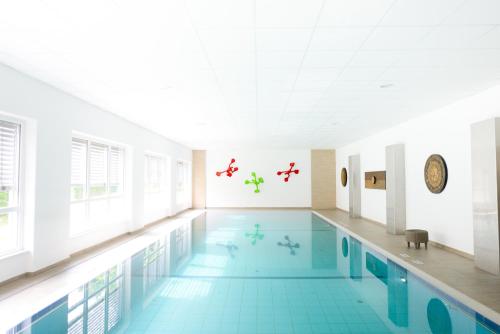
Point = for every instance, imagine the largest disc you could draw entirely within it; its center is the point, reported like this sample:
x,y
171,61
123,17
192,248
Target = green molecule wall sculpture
x,y
255,181
255,235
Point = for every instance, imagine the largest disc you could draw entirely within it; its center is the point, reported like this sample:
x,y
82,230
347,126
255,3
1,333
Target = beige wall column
x,y
199,179
323,179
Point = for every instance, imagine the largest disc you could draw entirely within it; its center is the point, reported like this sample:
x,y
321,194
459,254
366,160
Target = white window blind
x,y
78,169
97,184
9,155
180,176
10,238
183,183
154,170
116,169
98,169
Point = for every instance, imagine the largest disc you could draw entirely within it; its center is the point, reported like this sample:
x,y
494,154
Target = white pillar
x,y
395,188
354,186
485,157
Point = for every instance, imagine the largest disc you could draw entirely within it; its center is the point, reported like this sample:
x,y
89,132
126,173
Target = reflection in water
x,y
355,259
376,267
397,294
255,235
345,247
438,317
95,307
289,244
230,247
186,283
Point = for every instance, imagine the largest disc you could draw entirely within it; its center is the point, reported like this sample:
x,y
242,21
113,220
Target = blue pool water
x,y
256,272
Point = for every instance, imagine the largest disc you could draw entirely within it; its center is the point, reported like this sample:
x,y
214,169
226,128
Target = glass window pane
x,y
8,232
9,164
98,170
78,169
9,155
116,170
5,199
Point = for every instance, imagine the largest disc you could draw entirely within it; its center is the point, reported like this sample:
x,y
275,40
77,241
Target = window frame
x,y
182,193
163,188
107,196
18,185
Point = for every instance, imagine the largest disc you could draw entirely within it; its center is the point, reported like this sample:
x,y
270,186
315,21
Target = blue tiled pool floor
x,y
257,306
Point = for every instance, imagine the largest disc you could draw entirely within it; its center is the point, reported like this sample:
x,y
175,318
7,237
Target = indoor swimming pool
x,y
261,271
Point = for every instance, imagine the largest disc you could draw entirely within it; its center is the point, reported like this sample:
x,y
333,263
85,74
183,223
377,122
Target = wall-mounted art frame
x,y
343,177
375,180
436,174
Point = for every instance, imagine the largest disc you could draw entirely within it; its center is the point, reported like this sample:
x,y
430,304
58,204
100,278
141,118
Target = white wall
x,y
447,216
51,116
232,192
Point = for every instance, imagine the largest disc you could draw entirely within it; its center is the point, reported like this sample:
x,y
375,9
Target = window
x,y
97,184
183,182
97,307
10,236
154,174
156,196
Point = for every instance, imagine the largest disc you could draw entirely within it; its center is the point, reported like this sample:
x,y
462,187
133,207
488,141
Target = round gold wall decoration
x,y
436,173
343,177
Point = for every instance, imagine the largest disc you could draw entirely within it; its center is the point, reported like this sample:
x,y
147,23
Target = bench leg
x,y
425,245
408,244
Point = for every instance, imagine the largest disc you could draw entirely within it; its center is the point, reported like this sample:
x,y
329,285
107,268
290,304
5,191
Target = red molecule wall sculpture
x,y
230,169
289,172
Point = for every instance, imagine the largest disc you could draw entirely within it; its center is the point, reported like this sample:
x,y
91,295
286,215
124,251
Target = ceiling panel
x,y
353,12
221,13
378,58
489,40
361,73
420,12
339,38
225,40
396,38
283,39
450,37
476,12
291,13
315,59
280,59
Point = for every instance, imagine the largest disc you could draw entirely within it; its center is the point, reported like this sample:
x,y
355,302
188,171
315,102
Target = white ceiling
x,y
275,73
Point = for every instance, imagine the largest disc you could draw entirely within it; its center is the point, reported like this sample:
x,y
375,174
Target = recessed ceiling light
x,y
200,123
389,85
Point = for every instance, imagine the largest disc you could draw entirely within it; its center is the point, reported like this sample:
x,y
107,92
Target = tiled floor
x,y
474,287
